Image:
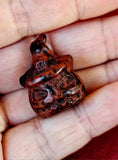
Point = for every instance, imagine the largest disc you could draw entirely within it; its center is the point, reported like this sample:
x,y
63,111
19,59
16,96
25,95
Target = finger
x,y
14,61
61,135
99,76
32,17
84,41
18,109
90,42
3,126
1,152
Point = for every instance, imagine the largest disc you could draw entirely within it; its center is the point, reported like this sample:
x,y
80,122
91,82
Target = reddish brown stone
x,y
53,86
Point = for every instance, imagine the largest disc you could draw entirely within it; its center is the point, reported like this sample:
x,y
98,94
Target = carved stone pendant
x,y
53,86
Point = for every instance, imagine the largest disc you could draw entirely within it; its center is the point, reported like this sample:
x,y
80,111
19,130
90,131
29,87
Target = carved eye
x,y
40,94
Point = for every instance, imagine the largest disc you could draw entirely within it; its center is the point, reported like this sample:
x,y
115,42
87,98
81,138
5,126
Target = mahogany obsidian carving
x,y
53,87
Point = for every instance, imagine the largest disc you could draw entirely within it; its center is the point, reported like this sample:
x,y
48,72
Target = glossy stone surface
x,y
53,86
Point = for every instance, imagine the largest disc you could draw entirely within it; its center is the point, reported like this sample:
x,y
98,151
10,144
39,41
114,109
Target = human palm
x,y
94,48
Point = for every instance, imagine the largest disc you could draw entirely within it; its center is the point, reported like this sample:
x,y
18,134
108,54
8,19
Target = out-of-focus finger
x,y
21,18
99,76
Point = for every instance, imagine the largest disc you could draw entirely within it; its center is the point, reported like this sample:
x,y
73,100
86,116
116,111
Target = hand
x,y
93,45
